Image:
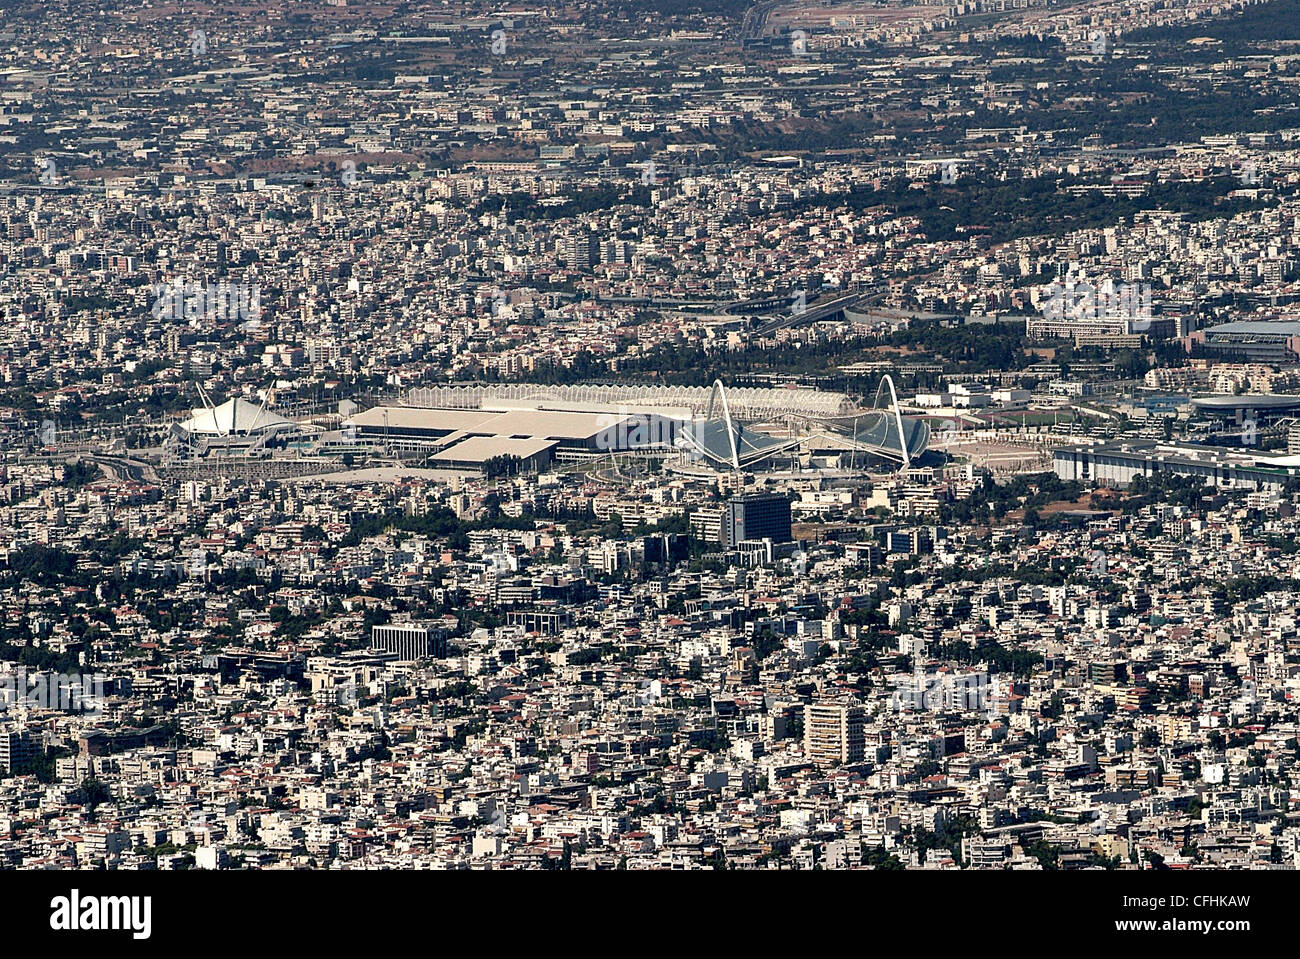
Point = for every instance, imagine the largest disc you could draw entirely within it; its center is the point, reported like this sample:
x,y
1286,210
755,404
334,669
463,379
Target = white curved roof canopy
x,y
234,417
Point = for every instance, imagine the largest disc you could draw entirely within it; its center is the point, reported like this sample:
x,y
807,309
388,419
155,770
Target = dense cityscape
x,y
601,436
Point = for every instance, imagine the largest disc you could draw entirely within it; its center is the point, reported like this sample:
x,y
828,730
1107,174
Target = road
x,y
120,469
822,311
756,18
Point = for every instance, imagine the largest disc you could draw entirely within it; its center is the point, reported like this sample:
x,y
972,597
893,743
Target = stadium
x,y
466,426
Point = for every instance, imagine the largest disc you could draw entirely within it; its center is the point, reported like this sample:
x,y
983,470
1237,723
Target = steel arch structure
x,y
898,416
887,433
718,392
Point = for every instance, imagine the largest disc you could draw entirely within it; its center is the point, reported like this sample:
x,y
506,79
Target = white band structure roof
x,y
753,404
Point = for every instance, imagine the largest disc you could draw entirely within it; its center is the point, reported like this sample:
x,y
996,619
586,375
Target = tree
x,y
94,792
877,858
1048,856
504,464
1097,859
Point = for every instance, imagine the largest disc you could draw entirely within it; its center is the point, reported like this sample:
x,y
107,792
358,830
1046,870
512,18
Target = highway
x,y
821,311
756,18
120,469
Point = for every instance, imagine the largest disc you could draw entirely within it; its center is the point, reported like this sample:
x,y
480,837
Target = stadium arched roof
x,y
877,432
732,445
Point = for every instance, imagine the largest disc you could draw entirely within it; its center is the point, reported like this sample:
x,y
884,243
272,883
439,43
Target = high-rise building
x,y
666,548
834,731
16,748
615,251
913,541
706,524
756,516
409,641
581,251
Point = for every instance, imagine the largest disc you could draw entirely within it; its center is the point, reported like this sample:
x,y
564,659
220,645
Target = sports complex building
x,y
1246,406
1118,464
466,427
1251,341
236,428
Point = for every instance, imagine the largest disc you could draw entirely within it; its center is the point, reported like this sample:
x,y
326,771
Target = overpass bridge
x,y
815,313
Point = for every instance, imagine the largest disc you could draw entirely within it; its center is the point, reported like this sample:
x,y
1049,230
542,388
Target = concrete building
x,y
1250,340
409,641
833,732
1116,464
16,748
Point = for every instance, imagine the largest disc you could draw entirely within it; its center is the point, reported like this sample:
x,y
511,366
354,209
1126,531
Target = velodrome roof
x,y
1247,401
1258,328
878,431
